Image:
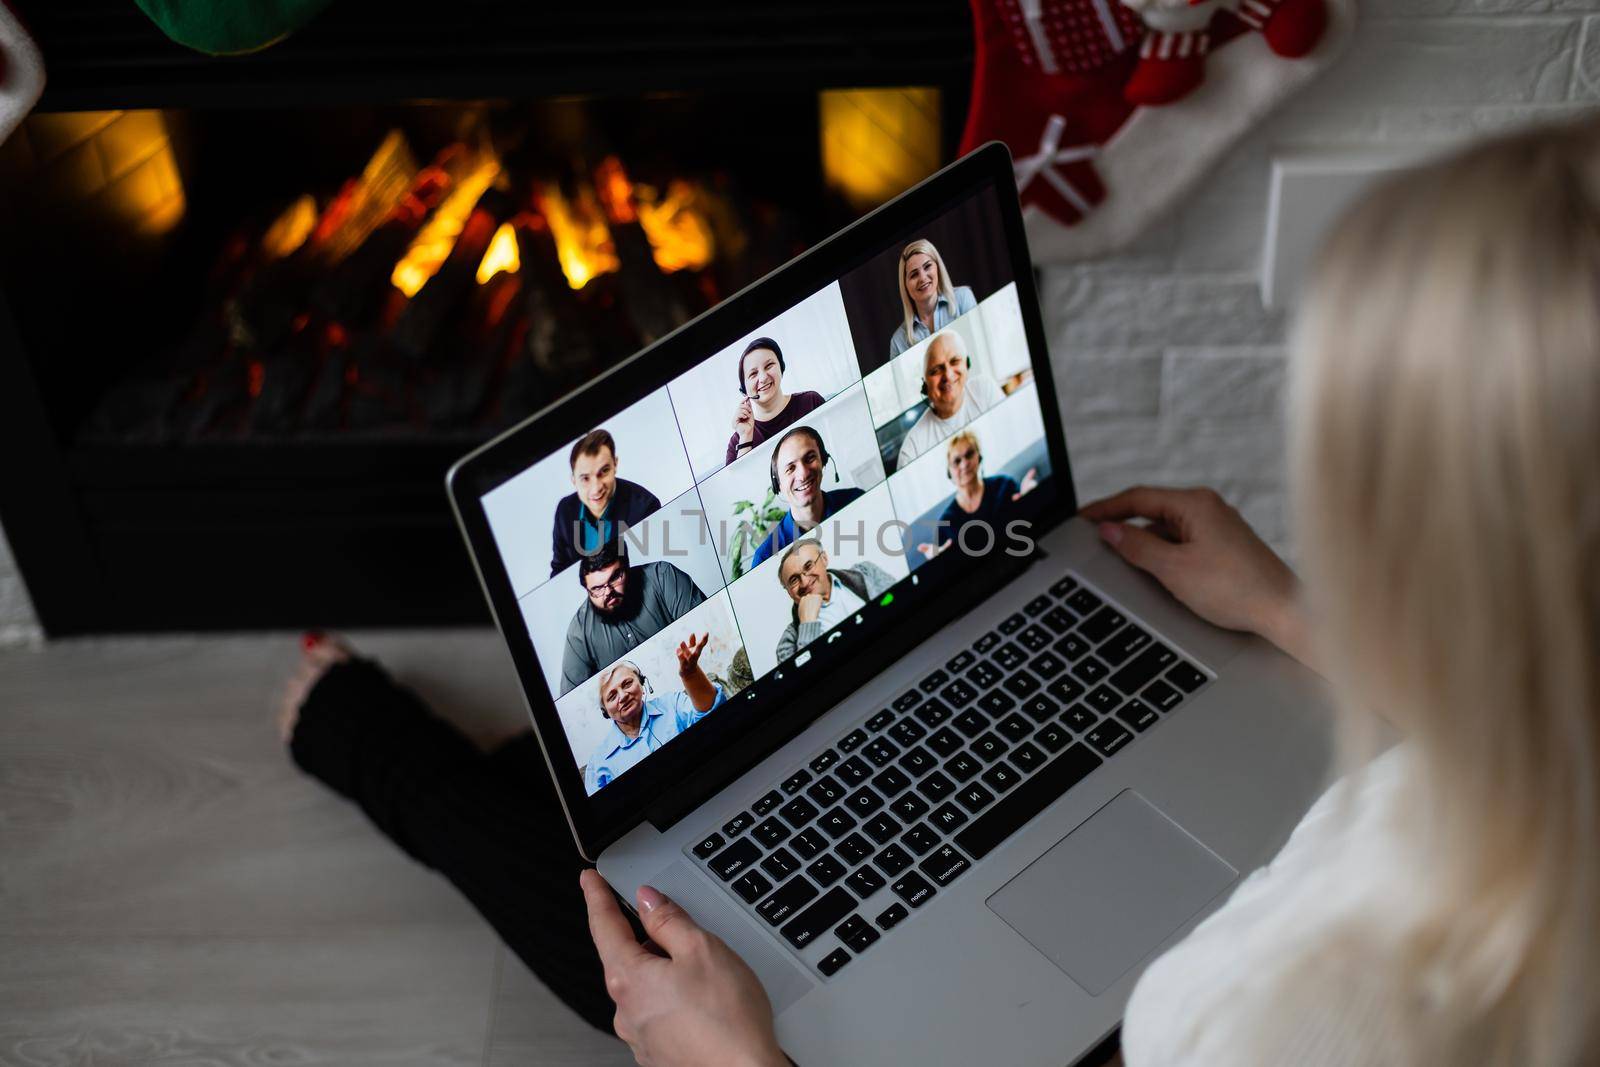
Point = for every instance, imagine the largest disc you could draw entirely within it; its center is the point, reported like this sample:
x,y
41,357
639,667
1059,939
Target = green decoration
x,y
230,27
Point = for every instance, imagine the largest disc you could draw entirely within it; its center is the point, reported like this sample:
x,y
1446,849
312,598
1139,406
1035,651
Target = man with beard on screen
x,y
625,607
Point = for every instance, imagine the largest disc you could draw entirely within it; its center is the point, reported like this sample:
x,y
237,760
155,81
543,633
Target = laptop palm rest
x,y
1106,895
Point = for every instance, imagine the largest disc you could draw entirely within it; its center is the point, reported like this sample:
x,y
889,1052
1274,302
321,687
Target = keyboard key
x,y
1059,619
826,870
1034,638
933,713
933,682
809,842
1091,670
734,859
959,693
1108,737
962,766
913,889
891,781
904,702
862,941
1041,708
960,662
996,702
1162,695
945,741
1101,625
770,833
881,827
852,740
1083,602
1124,643
881,751
884,717
824,761
853,771
944,864
920,839
853,849
820,917
1079,718
795,782
767,803
1038,605
946,817
936,786
971,723
1064,586
863,802
1066,690
1014,727
1022,684
1138,672
1027,758
865,882
907,732
786,901
1012,623
1186,676
752,887
917,762
891,916
975,798
1072,647
710,846
984,834
1103,699
738,824
825,790
1001,777
985,674
1138,714
1047,665
781,864
850,928
837,822
798,812
909,807
892,860
1009,657
829,965
986,642
988,747
1053,738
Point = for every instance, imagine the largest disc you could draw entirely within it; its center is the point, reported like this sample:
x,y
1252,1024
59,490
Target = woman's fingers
x,y
665,921
1139,502
1139,546
612,935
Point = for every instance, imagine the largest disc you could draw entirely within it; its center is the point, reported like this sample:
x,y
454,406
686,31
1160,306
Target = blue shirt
x,y
783,534
664,718
942,317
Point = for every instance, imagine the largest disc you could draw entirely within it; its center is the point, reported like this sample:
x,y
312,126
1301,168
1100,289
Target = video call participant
x,y
823,596
603,503
927,297
764,408
642,722
955,396
977,499
797,465
626,606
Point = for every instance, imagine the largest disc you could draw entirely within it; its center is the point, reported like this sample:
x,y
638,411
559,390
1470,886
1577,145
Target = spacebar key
x,y
822,916
983,835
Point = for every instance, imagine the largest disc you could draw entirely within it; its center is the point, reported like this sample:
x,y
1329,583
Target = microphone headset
x,y
821,448
644,683
759,343
925,376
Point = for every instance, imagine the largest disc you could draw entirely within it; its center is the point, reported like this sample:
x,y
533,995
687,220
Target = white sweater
x,y
1224,995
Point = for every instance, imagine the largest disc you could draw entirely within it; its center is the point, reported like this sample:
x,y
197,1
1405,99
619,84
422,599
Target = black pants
x,y
491,823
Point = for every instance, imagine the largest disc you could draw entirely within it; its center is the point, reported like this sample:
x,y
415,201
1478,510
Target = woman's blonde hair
x,y
946,289
1445,413
957,440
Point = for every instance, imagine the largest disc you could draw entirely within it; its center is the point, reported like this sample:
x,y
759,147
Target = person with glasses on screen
x,y
977,499
603,505
955,395
928,299
625,606
641,721
796,470
823,596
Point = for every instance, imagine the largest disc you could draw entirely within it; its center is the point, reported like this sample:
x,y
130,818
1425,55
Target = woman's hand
x,y
1207,556
698,1004
929,550
744,421
1030,482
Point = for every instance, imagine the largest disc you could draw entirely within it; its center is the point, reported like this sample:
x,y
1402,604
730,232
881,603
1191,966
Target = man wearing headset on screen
x,y
642,722
955,397
823,596
796,471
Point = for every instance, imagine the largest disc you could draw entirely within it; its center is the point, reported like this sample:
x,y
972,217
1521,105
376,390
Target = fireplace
x,y
251,309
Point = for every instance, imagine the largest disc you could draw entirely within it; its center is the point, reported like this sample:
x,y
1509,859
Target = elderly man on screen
x,y
823,596
642,722
955,395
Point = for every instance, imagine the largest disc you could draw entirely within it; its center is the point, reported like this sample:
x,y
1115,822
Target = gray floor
x,y
173,891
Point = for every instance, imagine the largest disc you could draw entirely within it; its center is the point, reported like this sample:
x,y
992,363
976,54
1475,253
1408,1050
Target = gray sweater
x,y
658,593
865,580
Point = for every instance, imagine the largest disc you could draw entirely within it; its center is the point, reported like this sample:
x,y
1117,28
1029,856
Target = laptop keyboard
x,y
846,847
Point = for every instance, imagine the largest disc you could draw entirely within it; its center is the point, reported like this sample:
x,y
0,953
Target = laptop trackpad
x,y
1112,890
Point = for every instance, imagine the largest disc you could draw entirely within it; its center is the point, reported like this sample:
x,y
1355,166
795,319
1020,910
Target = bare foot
x,y
319,652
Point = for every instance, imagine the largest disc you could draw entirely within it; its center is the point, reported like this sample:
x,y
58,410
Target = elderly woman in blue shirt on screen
x,y
927,297
642,723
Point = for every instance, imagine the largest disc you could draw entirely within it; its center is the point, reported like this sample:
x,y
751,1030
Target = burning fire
x,y
432,245
582,241
501,255
290,230
679,235
366,201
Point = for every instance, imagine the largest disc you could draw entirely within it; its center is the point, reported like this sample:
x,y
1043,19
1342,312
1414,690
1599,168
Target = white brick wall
x,y
17,625
1171,370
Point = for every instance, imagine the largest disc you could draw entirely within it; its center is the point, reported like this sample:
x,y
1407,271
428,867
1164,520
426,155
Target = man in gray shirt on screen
x,y
625,607
823,597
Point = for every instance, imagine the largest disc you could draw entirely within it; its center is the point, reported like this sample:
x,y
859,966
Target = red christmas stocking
x,y
1292,27
1048,82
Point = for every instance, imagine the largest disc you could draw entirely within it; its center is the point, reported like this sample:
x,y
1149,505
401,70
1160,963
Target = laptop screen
x,y
713,545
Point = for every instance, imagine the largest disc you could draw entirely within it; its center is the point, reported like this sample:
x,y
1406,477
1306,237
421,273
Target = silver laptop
x,y
813,642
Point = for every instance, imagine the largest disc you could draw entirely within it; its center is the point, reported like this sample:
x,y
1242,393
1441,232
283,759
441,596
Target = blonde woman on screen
x,y
929,300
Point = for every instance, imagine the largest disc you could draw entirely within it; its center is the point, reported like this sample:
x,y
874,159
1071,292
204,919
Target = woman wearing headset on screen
x,y
764,409
977,499
928,299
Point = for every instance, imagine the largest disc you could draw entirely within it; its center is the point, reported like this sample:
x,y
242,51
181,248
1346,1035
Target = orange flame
x,y
583,243
432,244
615,191
366,201
501,255
679,232
290,229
